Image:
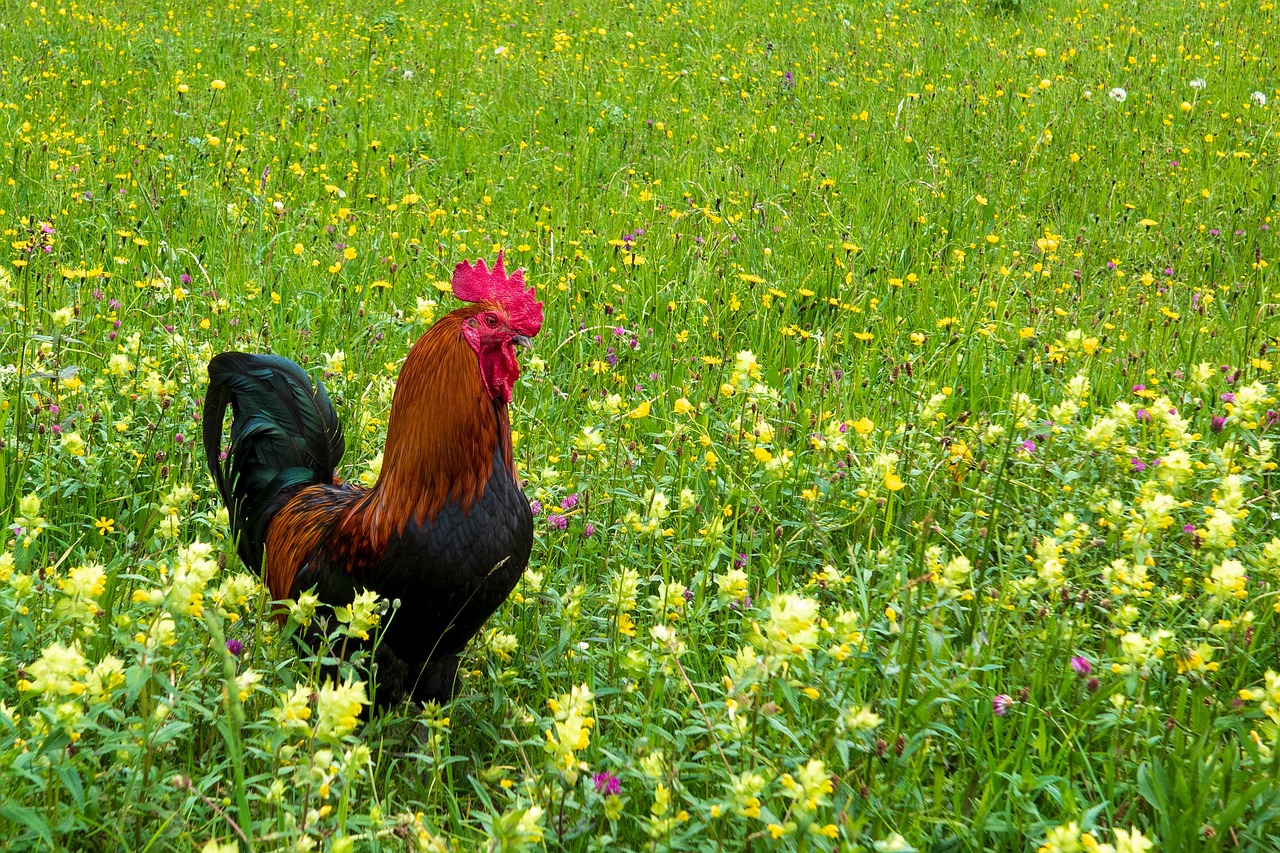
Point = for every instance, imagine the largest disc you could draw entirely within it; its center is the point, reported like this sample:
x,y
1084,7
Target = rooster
x,y
446,529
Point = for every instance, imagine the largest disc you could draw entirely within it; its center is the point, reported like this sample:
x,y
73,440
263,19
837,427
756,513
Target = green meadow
x,y
902,431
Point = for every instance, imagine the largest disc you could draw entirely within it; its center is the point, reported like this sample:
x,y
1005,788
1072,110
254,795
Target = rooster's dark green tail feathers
x,y
284,434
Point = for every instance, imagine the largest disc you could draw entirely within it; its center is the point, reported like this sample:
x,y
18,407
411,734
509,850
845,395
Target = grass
x,y
902,427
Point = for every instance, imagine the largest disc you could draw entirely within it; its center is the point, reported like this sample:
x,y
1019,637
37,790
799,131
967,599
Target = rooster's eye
x,y
491,320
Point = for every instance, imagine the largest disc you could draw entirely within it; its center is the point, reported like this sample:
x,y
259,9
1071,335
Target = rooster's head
x,y
505,315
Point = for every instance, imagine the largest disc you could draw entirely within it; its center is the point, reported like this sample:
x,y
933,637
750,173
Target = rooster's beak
x,y
522,341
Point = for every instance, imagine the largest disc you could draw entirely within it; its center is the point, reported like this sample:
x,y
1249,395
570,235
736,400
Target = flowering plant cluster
x,y
901,442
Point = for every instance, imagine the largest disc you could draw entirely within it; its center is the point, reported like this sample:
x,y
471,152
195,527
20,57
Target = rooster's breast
x,y
452,573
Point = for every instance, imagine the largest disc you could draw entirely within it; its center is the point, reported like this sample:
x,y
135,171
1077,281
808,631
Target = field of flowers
x,y
902,436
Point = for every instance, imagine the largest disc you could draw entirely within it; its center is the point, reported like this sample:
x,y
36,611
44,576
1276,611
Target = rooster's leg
x,y
437,680
394,678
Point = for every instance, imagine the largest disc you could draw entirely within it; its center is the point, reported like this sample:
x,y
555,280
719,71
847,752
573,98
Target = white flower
x,y
530,826
1078,388
893,843
1063,839
1118,95
1227,580
1198,84
1132,841
861,718
746,366
426,309
791,629
369,476
1259,99
1101,433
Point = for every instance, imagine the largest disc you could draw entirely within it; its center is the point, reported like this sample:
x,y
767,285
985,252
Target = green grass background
x,y
908,212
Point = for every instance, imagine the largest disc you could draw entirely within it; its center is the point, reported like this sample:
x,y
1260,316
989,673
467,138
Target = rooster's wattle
x,y
446,529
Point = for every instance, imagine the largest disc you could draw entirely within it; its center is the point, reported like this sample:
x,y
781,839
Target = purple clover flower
x,y
557,521
235,647
607,784
535,507
569,502
1081,665
1138,465
1001,704
1217,423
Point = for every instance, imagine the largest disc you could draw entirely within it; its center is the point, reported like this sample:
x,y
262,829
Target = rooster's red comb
x,y
480,284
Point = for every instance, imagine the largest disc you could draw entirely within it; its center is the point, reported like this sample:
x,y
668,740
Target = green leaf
x,y
26,817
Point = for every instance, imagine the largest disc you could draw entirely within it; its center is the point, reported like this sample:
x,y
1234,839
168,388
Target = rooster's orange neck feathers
x,y
442,431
